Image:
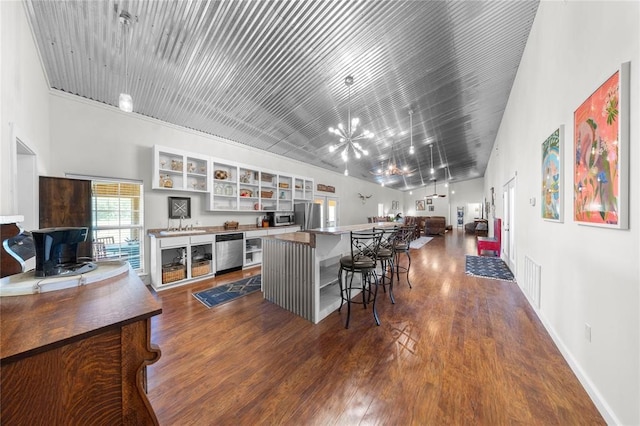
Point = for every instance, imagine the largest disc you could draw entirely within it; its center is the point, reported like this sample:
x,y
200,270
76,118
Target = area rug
x,y
227,292
488,267
419,242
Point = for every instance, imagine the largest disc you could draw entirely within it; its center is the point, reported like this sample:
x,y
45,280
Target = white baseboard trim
x,y
600,403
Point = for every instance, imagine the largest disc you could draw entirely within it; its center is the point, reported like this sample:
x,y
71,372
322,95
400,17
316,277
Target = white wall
x,y
589,274
463,194
94,139
24,108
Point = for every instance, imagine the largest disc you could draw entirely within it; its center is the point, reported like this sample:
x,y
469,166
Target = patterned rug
x,y
227,292
488,267
419,242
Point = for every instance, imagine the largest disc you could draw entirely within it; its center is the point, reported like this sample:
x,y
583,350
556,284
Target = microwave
x,y
281,219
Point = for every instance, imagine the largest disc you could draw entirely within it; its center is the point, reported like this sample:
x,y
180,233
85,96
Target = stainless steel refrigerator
x,y
308,215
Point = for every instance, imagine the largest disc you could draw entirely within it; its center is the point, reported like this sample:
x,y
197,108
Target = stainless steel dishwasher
x,y
229,252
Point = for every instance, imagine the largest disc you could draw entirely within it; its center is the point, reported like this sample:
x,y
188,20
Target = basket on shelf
x,y
171,273
231,225
283,185
266,177
266,194
201,267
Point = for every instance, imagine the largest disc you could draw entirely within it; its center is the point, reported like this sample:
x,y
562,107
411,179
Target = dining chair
x,y
362,260
386,258
404,236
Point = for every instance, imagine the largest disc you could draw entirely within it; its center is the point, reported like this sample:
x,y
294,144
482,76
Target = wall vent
x,y
532,281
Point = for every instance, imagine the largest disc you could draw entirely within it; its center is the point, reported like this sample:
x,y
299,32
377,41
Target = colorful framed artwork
x,y
601,155
552,181
419,204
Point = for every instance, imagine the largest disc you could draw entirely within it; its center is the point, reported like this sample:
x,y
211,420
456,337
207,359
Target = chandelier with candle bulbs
x,y
350,135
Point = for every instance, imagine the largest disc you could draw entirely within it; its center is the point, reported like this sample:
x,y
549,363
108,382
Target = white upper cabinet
x,y
175,169
229,186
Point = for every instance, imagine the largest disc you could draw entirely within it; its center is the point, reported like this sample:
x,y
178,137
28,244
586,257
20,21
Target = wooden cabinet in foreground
x,y
78,356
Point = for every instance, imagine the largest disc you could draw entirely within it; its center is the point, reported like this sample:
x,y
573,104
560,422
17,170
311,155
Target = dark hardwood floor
x,y
455,349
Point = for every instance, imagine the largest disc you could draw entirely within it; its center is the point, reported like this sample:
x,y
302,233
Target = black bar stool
x,y
386,258
404,235
362,260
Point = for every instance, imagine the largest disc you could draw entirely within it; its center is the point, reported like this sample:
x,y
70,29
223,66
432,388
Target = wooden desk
x,y
79,355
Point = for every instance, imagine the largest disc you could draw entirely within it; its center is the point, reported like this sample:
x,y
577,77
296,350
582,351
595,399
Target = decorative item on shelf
x,y
165,181
228,190
283,185
163,163
257,206
203,169
246,192
218,189
266,177
245,177
221,174
176,165
283,195
266,194
230,225
326,188
298,186
191,167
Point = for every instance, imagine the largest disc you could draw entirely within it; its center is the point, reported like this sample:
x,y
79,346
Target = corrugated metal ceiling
x,y
270,74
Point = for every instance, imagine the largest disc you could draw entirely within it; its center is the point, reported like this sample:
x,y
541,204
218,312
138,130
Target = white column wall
x,y
24,105
590,275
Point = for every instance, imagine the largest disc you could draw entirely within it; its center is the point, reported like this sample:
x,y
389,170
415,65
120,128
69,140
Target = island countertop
x,y
338,230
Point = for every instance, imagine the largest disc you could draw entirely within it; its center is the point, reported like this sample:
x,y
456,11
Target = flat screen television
x,y
57,251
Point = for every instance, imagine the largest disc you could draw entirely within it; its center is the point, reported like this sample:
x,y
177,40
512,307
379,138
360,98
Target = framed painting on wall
x,y
419,204
601,155
552,181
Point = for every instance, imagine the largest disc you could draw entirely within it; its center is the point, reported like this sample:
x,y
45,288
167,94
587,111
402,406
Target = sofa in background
x,y
427,225
435,225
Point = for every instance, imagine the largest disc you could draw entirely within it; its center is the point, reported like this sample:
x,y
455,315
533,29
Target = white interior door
x,y
508,224
330,213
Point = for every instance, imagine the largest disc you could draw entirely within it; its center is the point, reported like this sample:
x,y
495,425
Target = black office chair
x,y
404,235
386,258
362,260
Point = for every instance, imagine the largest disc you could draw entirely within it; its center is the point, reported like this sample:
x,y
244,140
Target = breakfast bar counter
x,y
300,269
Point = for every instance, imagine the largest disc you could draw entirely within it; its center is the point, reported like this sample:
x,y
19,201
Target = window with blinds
x,y
118,228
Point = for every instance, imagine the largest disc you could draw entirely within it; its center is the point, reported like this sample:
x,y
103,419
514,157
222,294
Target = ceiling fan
x,y
435,193
432,171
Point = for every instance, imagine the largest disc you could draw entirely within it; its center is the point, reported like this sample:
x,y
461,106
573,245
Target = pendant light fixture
x,y
432,171
411,149
125,102
350,135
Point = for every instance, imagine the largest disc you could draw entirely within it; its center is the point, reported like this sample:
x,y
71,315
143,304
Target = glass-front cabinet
x,y
175,169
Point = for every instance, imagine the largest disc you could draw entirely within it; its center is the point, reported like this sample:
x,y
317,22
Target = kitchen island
x,y
300,269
